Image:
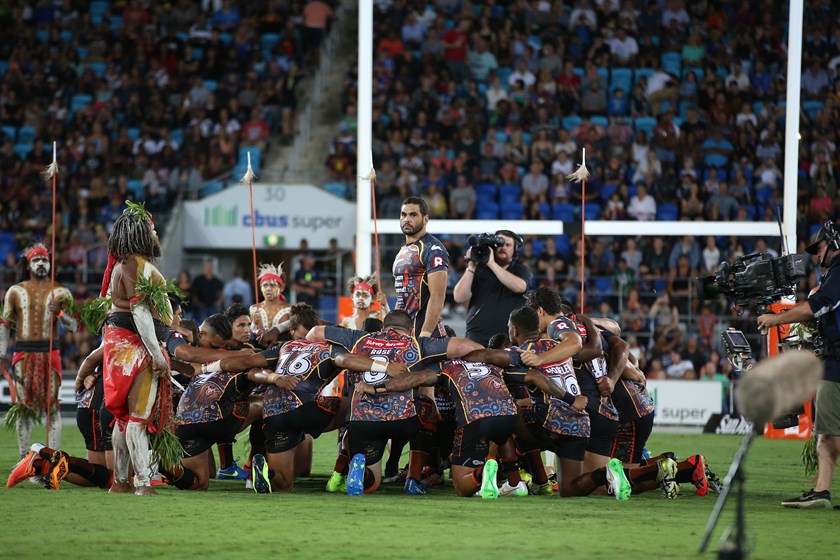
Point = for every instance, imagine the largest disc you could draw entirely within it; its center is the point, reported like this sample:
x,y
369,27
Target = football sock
x,y
181,478
225,455
599,476
537,469
257,439
510,466
476,475
416,462
342,463
685,468
97,474
369,480
46,453
642,474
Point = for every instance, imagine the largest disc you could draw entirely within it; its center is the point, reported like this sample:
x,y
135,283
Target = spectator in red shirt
x,y
255,131
456,41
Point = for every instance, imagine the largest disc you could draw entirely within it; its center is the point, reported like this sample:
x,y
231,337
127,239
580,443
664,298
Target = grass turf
x,y
229,522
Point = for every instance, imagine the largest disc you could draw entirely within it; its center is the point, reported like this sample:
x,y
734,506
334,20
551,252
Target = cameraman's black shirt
x,y
825,303
491,302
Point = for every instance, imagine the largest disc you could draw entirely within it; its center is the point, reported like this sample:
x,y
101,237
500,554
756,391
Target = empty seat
x,y
563,212
513,211
667,212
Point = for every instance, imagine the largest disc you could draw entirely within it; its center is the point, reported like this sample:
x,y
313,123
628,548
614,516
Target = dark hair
x,y
518,242
372,324
525,319
220,325
132,235
450,332
424,208
498,341
547,298
399,319
302,314
192,326
235,311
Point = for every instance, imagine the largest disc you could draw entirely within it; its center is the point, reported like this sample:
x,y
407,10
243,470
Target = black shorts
x,y
198,438
565,447
631,439
106,424
602,434
87,420
370,438
472,442
285,431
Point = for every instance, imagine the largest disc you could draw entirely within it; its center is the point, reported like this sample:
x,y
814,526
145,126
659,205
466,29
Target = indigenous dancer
x,y
30,308
273,310
134,362
364,290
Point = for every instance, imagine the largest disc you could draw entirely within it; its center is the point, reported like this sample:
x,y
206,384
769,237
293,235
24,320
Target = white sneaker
x,y
520,489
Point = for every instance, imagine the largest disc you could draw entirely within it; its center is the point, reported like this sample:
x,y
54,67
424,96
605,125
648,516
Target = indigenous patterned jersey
x,y
478,391
412,267
632,400
588,375
388,346
558,416
214,396
311,362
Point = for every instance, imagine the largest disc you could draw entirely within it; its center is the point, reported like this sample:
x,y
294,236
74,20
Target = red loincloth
x,y
125,357
36,379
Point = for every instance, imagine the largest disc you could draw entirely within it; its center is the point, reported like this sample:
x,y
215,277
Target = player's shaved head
x,y
525,319
398,319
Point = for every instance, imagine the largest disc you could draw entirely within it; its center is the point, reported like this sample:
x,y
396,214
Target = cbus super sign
x,y
220,216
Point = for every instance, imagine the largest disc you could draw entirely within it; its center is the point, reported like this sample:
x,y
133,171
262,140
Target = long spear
x,y
51,172
580,176
249,178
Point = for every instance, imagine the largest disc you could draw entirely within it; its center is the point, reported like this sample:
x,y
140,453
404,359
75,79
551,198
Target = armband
x,y
379,367
568,398
212,367
377,389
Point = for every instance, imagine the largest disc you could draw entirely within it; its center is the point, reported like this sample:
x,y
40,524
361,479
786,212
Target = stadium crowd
x,y
146,101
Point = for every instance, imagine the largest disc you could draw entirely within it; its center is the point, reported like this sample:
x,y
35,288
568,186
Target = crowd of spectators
x,y
146,100
483,109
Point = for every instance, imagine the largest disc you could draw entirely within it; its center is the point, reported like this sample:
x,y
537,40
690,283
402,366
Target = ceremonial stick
x,y
249,178
51,172
580,176
372,177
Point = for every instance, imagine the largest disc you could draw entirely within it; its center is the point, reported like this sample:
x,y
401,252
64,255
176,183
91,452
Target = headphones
x,y
832,236
518,242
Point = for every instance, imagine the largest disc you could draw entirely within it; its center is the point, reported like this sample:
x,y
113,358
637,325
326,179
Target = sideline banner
x,y
283,215
685,403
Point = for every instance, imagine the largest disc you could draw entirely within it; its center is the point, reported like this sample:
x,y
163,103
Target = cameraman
x,y
821,307
494,289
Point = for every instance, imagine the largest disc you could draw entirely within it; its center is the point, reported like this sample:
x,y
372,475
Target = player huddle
x,y
554,382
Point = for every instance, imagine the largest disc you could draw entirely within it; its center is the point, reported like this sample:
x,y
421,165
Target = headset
x,y
518,242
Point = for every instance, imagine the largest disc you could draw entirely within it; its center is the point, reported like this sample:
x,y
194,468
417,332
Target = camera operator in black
x,y
494,289
823,307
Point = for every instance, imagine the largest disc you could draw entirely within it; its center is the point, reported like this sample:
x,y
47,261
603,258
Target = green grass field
x,y
229,522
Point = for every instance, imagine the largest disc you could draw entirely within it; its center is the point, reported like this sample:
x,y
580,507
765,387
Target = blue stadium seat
x,y
600,120
268,40
764,194
510,191
485,192
660,285
79,100
563,211
328,308
752,213
645,124
538,245
116,22
43,35
621,78
672,63
133,133
26,135
563,245
603,286
545,210
256,157
177,135
592,211
335,188
82,52
504,73
136,188
667,212
607,190
813,230
211,84
512,211
487,211
570,122
211,188
98,68
226,38
526,138
66,36
98,7
812,107
22,150
579,72
198,53
4,66
698,71
9,133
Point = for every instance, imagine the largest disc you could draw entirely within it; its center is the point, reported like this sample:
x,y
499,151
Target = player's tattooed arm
x,y
570,344
285,382
357,362
424,377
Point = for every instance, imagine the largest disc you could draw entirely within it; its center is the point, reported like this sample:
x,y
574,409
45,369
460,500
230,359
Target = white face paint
x,y
362,299
270,289
40,266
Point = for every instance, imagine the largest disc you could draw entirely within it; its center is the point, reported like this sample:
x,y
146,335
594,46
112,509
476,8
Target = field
x,y
229,522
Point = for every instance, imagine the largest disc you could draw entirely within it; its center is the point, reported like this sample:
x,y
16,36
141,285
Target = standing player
x,y
364,291
420,270
31,306
374,419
